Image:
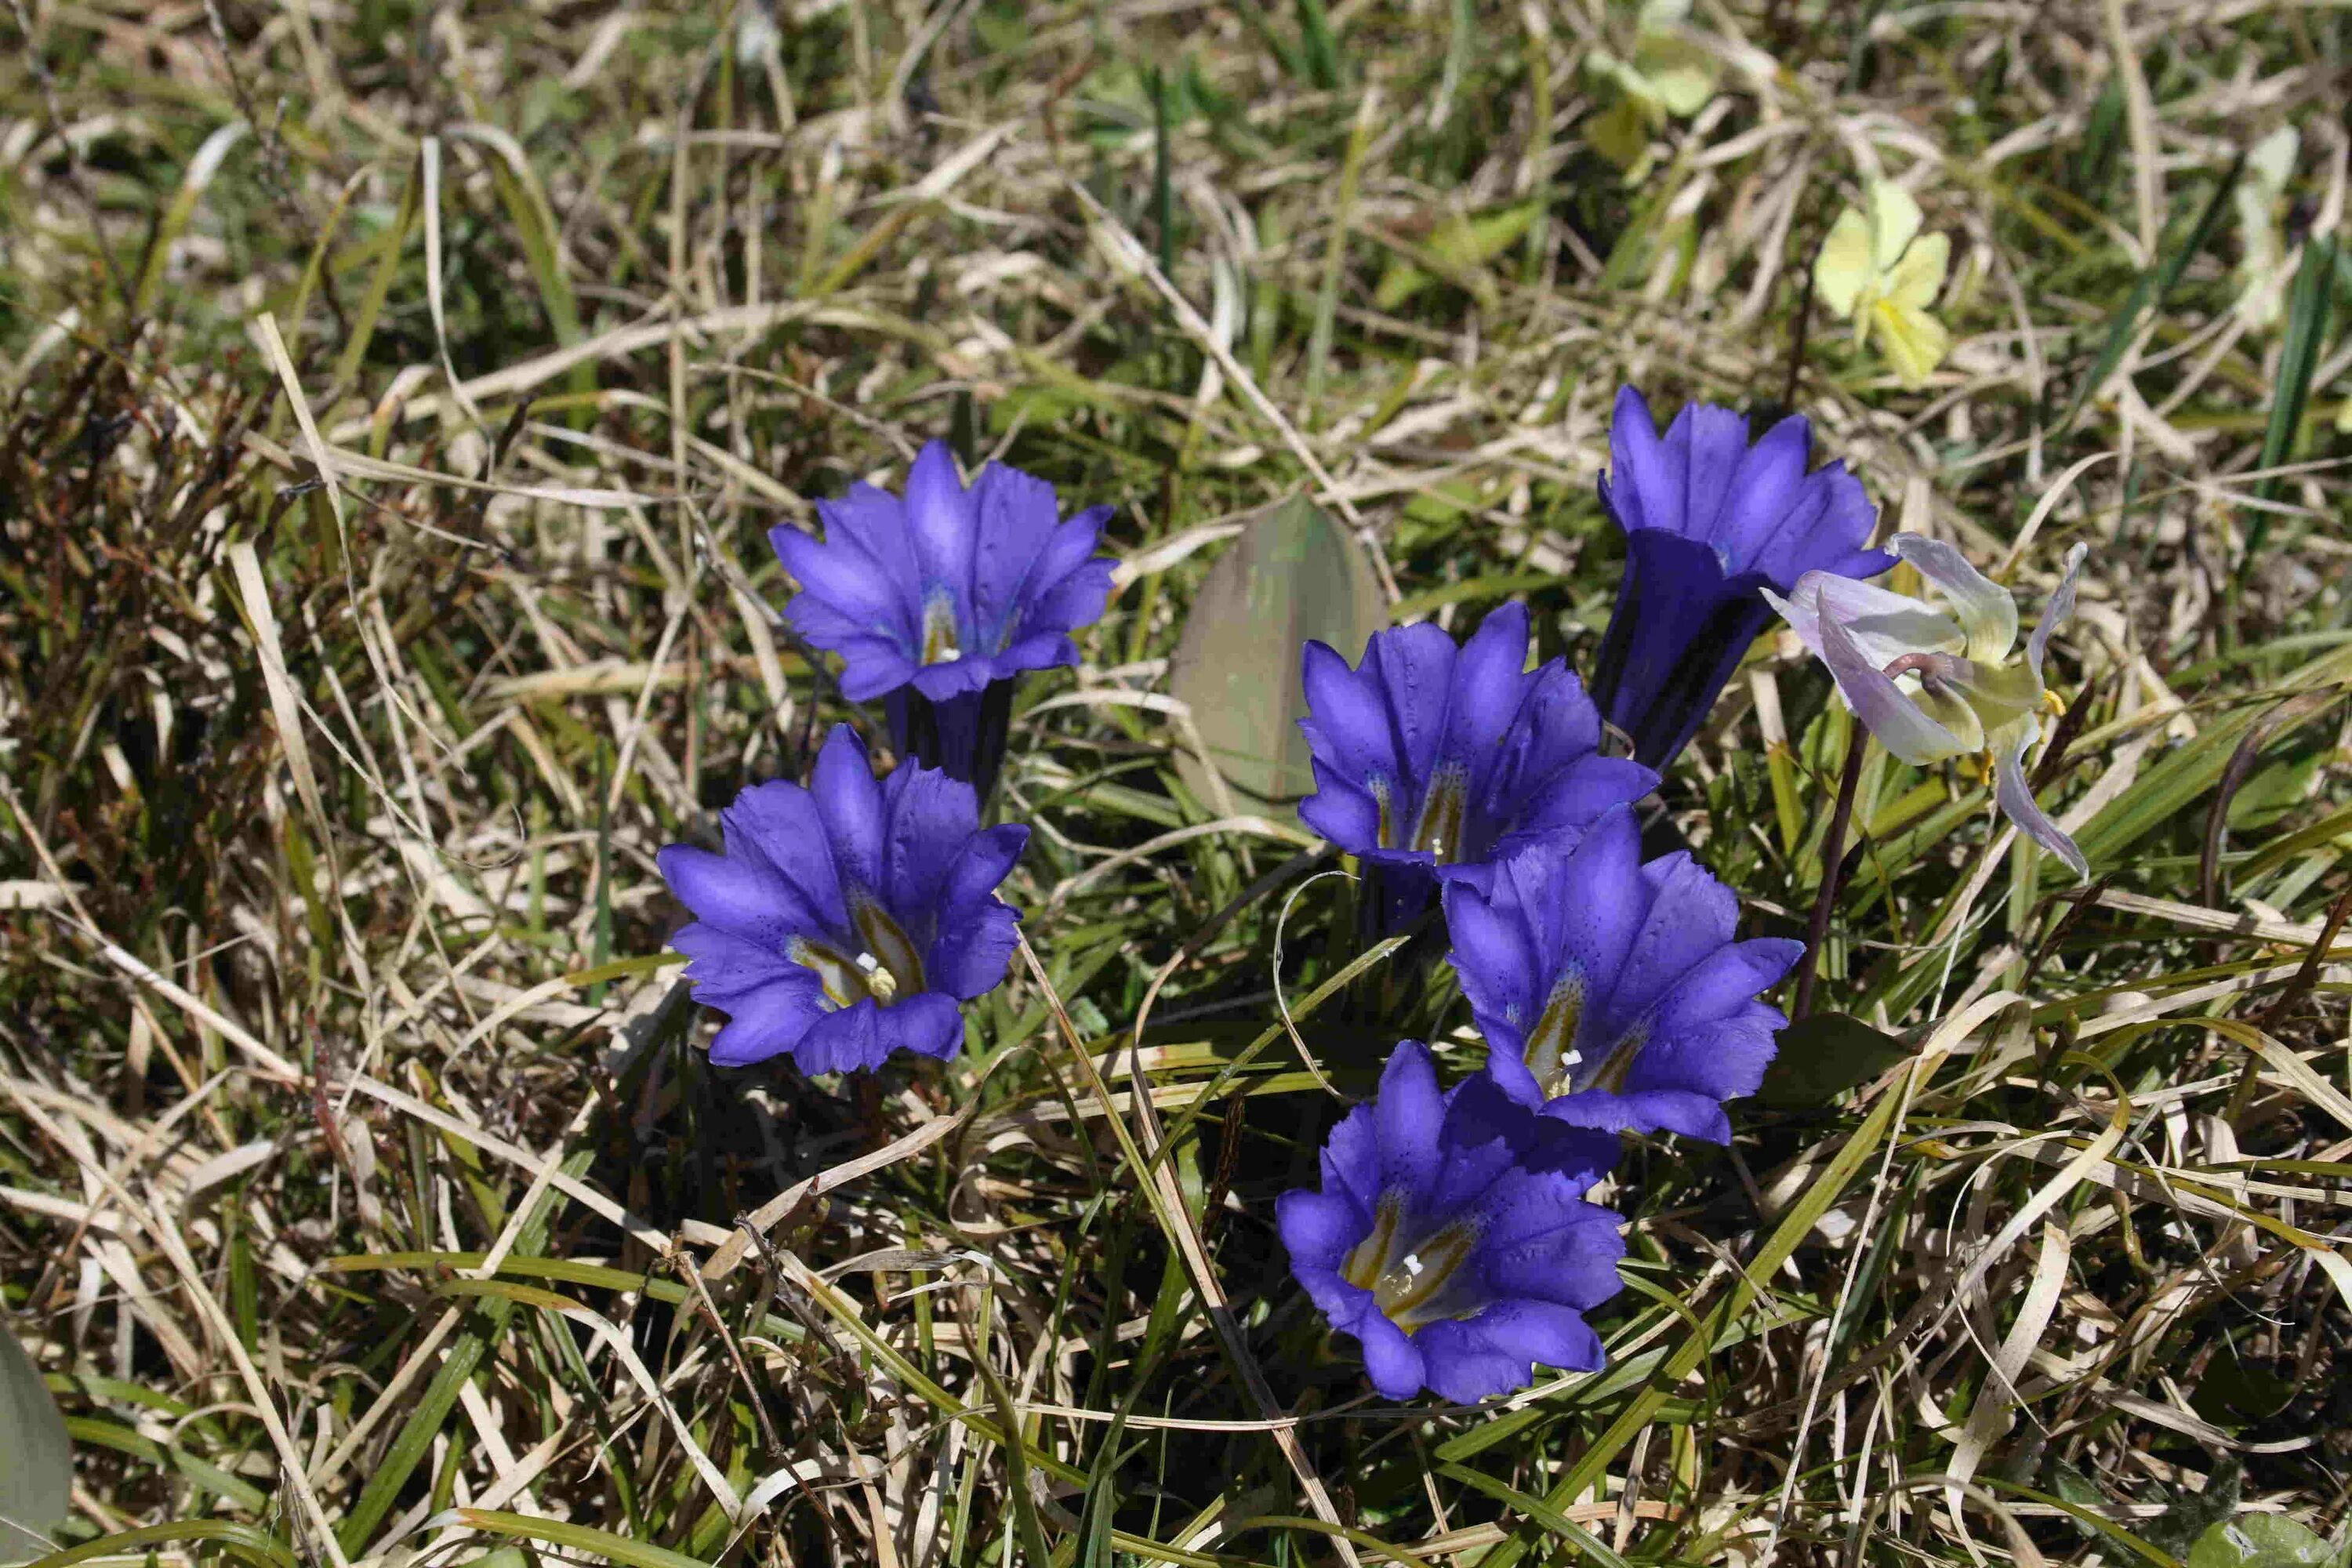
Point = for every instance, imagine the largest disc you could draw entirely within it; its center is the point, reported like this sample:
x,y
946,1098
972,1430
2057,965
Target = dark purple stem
x,y
1833,852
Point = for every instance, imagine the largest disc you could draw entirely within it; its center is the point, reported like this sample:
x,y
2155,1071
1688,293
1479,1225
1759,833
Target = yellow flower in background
x,y
1665,74
1876,268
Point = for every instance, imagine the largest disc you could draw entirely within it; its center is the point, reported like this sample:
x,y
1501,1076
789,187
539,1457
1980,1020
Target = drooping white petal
x,y
1879,703
2017,802
1886,625
1985,611
2056,613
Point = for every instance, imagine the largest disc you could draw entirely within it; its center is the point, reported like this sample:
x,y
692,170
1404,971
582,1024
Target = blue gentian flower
x,y
847,920
1431,759
938,603
1709,521
1610,992
1451,1236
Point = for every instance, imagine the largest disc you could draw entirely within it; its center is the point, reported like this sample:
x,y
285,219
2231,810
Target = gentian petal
x,y
1391,1358
1578,796
1728,978
1494,955
847,1040
732,893
1015,513
943,525
1759,494
1350,724
1415,673
1487,688
1683,1111
1623,978
1482,1250
723,965
1601,913
1406,1116
1339,811
1690,916
849,801
930,1024
841,576
1541,1331
849,920
920,811
1319,1229
766,1022
1710,520
1648,492
946,597
1712,441
1432,759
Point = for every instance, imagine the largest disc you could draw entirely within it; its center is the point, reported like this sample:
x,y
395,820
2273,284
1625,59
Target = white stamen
x,y
948,656
1570,1059
881,983
1412,1264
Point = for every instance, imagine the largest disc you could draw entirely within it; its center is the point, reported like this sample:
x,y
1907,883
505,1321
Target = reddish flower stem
x,y
1833,852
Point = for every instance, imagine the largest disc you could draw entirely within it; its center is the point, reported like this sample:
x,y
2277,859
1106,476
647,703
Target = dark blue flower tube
x,y
1611,992
1452,1237
938,603
1709,521
848,919
1432,759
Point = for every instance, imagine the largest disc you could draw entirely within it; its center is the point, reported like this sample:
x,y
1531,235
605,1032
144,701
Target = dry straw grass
x,y
395,399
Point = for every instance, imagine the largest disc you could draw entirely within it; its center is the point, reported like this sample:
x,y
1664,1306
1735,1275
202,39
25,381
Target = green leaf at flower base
x,y
1822,1057
2262,1541
1293,575
35,1464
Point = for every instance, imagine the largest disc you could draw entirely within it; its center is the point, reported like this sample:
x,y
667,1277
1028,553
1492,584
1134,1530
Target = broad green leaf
x,y
1822,1057
2235,1391
2191,1515
1473,242
35,1464
1464,243
1294,574
2260,1541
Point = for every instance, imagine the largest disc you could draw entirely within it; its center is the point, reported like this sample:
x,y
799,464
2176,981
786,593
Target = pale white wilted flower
x,y
1932,685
